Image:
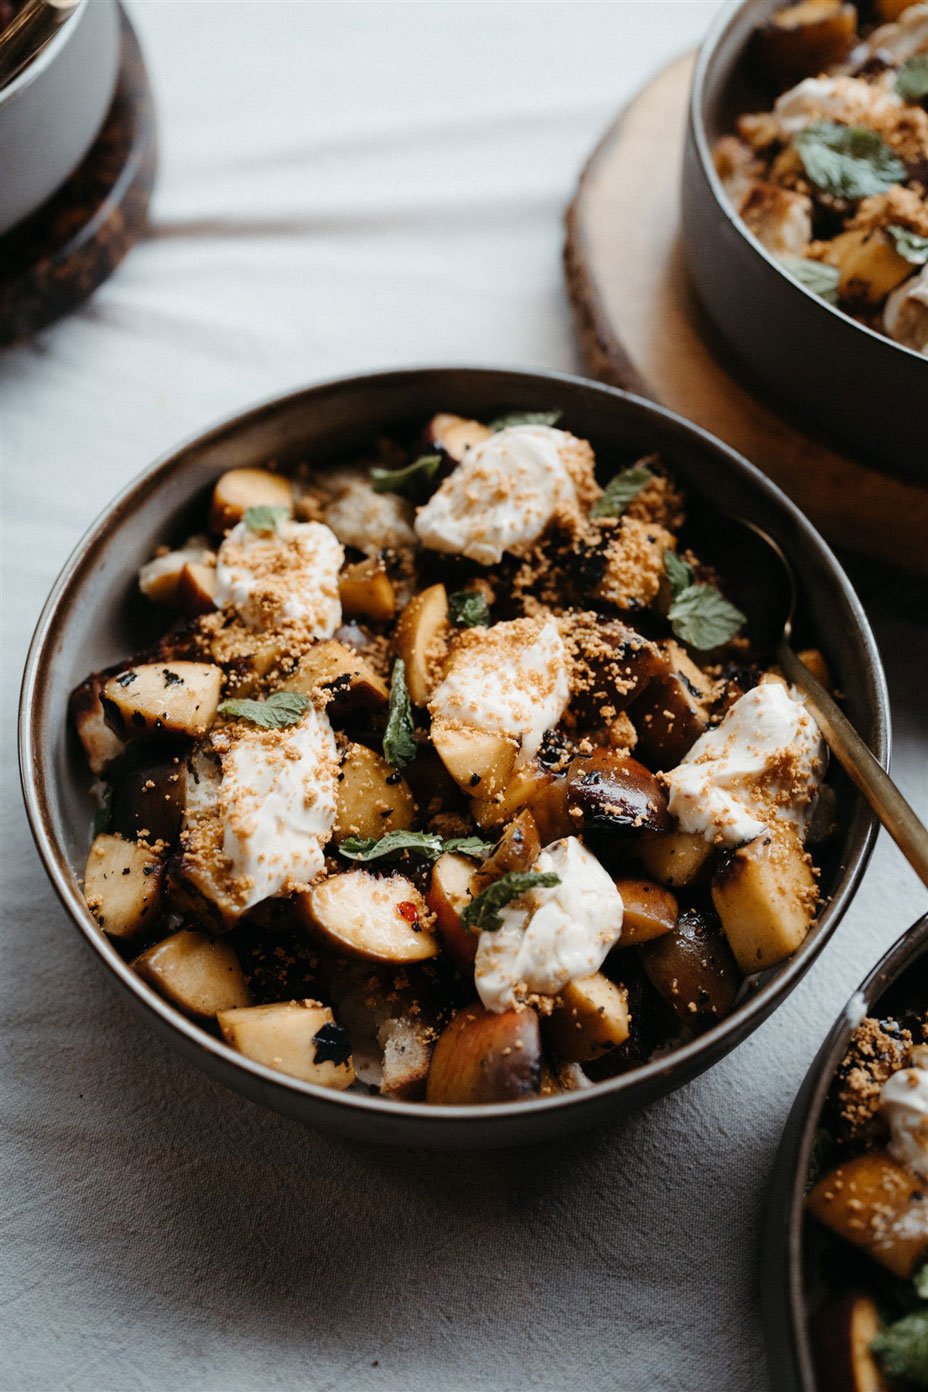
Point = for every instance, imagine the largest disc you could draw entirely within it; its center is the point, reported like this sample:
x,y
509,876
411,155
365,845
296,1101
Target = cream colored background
x,y
346,186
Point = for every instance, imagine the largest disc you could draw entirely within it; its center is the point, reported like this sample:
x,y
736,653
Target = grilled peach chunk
x,y
612,792
159,578
879,1206
693,969
675,858
451,889
670,714
332,667
196,589
420,635
589,1018
372,798
171,698
366,592
197,974
842,1331
455,435
122,885
384,919
765,895
241,489
479,761
299,1038
482,1057
100,744
802,40
649,911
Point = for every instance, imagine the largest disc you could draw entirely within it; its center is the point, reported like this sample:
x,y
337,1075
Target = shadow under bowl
x,y
785,1308
95,615
857,389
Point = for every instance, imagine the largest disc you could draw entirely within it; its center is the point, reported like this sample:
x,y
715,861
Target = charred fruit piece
x,y
803,40
170,698
299,1038
693,969
197,974
878,1206
589,1019
649,911
765,895
420,636
482,1057
372,798
366,592
451,889
608,791
350,682
383,919
241,489
122,885
479,761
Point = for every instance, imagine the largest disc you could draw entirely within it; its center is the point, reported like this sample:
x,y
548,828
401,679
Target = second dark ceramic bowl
x,y
857,389
95,615
785,1307
51,113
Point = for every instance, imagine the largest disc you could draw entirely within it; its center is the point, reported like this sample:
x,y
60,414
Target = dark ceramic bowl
x,y
785,1309
857,389
95,615
51,113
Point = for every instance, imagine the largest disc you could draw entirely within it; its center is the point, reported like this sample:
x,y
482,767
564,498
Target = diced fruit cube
x,y
122,885
384,919
765,895
649,911
196,973
879,1206
371,798
482,1057
589,1018
420,640
299,1038
241,489
171,698
366,592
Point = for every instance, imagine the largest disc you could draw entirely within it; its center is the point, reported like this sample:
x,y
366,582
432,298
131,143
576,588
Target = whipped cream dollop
x,y
905,314
761,765
277,805
511,679
502,495
285,575
850,100
368,520
904,1102
552,936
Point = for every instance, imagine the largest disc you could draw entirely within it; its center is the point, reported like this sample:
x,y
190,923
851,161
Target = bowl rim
x,y
787,1213
45,56
705,59
33,757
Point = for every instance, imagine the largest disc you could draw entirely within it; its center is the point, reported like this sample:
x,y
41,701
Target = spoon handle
x,y
902,823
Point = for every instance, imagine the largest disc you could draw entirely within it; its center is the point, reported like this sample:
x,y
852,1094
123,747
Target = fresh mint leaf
x,y
281,709
816,276
424,843
374,848
910,245
703,618
399,741
265,519
468,609
411,480
912,78
620,490
526,418
103,817
679,573
482,913
902,1349
469,846
848,161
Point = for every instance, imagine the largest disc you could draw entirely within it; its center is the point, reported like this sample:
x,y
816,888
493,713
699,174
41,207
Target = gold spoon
x,y
29,31
899,819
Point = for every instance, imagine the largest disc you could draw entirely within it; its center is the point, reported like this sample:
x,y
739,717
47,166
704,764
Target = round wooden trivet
x,y
639,328
53,261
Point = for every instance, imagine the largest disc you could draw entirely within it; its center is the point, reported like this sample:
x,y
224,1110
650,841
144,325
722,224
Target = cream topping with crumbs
x,y
761,766
551,936
287,575
904,1102
511,679
368,520
504,493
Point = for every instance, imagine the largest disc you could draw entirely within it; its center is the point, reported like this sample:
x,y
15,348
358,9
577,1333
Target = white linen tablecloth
x,y
347,186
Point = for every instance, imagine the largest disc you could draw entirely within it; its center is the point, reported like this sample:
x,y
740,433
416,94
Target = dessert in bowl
x,y
449,769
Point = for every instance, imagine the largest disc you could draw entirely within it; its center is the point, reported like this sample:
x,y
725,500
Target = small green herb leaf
x,y
482,913
399,741
281,709
679,573
902,1348
848,161
374,848
265,519
816,276
103,817
469,846
910,245
620,491
333,1044
412,479
526,418
703,617
912,78
468,609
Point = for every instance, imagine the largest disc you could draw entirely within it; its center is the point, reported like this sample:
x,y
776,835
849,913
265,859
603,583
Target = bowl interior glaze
x,y
95,615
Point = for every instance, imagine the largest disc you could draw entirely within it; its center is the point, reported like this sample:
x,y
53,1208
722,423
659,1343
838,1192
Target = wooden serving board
x,y
640,328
